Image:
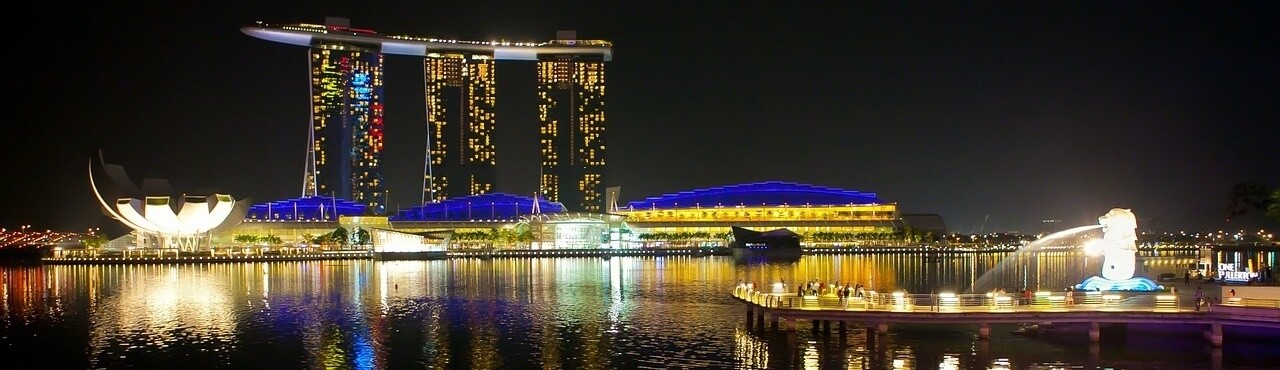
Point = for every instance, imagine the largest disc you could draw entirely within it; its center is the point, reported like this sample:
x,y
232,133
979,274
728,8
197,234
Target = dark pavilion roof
x,y
768,193
492,206
317,208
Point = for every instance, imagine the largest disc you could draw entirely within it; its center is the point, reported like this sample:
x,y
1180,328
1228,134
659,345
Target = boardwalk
x,y
880,309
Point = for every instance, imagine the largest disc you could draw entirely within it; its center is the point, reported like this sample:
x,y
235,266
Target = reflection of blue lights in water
x,y
527,313
362,349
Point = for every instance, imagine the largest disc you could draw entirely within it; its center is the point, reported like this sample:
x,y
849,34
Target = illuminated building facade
x,y
460,98
460,84
802,208
162,220
308,209
344,159
571,102
822,216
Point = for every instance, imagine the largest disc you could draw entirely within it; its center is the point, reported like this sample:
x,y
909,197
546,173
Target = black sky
x,y
995,115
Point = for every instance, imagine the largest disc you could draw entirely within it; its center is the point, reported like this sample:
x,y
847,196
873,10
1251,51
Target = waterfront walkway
x,y
228,257
878,309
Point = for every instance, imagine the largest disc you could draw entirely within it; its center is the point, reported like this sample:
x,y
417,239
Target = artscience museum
x,y
162,220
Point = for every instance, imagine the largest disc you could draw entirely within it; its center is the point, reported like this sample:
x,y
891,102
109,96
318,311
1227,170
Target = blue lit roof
x,y
492,206
305,209
768,193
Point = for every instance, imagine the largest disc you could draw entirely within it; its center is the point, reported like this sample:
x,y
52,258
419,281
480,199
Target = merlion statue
x,y
1119,249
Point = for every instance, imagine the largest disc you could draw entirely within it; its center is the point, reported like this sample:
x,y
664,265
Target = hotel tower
x,y
572,122
460,98
344,157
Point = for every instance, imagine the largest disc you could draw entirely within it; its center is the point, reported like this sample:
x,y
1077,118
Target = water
x,y
567,313
1021,269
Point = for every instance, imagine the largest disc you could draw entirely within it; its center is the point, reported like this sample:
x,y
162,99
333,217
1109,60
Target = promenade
x,y
879,309
232,257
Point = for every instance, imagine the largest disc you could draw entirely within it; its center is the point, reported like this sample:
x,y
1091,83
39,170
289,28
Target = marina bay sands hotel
x,y
344,158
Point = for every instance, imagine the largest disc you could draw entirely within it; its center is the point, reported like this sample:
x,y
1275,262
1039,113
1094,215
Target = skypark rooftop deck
x,y
306,34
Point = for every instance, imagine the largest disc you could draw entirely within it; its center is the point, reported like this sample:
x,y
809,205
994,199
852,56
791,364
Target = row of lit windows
x,y
339,75
550,186
723,230
590,187
436,186
836,213
480,187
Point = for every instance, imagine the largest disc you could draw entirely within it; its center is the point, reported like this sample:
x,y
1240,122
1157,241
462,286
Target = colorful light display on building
x,y
344,159
460,86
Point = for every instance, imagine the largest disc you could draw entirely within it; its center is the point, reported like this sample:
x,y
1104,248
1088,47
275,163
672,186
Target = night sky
x,y
995,115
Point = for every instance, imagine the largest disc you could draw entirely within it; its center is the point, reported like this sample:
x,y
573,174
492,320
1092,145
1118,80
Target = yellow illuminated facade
x,y
820,214
805,220
571,101
460,102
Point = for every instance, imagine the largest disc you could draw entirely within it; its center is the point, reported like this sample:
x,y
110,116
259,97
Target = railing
x,y
999,302
1250,302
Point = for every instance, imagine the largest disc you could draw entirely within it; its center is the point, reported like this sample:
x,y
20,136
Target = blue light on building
x,y
768,193
318,208
492,206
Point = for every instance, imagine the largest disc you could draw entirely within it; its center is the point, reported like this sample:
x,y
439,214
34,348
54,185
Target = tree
x,y
246,239
339,236
1273,210
95,241
1247,197
360,236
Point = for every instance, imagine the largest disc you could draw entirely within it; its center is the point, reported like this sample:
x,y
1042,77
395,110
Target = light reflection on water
x,y
574,313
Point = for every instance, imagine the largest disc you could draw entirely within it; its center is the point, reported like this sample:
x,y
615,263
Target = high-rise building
x,y
344,159
460,94
571,96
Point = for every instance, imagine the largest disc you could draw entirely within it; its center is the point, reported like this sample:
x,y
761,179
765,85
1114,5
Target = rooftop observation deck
x,y
880,309
304,34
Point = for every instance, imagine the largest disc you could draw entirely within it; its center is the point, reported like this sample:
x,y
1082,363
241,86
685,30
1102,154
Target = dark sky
x,y
995,115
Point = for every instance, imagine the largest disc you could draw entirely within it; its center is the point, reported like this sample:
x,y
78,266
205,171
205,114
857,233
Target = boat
x,y
777,244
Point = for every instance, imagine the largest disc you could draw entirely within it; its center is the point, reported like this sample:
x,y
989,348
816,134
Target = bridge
x,y
878,310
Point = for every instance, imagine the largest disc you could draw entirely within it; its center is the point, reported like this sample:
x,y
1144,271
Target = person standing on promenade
x,y
1186,278
1199,298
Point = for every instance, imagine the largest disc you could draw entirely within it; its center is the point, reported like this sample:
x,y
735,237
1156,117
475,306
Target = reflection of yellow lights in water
x,y
949,362
749,351
167,307
400,280
266,282
811,355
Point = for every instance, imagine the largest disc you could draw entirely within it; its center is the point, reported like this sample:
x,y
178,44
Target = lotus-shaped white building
x,y
159,218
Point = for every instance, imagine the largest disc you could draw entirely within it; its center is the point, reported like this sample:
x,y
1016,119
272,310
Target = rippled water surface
x,y
560,313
